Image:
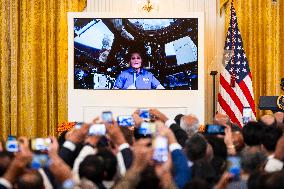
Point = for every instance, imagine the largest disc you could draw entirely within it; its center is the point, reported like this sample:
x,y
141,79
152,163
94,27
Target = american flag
x,y
236,90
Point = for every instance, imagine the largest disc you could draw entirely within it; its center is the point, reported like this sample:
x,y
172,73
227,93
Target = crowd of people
x,y
125,159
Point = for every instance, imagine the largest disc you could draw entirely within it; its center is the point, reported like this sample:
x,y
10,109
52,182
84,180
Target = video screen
x,y
141,54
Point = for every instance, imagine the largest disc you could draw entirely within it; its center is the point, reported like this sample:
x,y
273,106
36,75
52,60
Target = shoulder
x,y
148,73
125,72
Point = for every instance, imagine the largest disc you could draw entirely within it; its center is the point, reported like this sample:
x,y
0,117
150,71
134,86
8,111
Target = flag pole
x,y
213,74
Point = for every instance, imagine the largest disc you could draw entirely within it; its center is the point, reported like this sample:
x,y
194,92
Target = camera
x,y
247,115
40,144
126,120
144,114
160,146
12,144
97,130
40,161
214,129
107,116
78,125
147,128
234,167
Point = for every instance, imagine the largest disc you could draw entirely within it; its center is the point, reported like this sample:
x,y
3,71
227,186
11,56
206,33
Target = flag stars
x,y
238,66
238,55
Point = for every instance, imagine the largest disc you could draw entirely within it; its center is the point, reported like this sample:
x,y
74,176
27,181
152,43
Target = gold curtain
x,y
261,24
33,69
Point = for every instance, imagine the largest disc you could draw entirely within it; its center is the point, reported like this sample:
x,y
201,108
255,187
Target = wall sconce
x,y
147,5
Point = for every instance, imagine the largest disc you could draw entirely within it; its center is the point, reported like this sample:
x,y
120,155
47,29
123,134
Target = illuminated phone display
x,y
247,115
107,116
40,144
147,128
144,114
214,129
160,145
97,129
125,120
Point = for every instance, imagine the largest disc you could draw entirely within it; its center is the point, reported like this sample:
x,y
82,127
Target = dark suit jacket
x,y
127,157
2,186
69,156
179,133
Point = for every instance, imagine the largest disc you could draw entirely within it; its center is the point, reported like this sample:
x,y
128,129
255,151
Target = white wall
x,y
213,38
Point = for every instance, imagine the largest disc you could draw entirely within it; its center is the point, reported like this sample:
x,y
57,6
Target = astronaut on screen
x,y
136,77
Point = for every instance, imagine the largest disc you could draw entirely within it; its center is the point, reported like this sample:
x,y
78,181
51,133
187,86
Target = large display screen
x,y
107,52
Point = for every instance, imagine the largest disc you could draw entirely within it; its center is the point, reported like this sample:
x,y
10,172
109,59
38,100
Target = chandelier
x,y
147,5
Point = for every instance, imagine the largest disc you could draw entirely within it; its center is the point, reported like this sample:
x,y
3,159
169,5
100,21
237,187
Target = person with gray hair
x,y
252,160
190,124
223,119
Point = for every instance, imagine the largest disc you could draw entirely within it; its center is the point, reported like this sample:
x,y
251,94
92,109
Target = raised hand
x,y
158,115
78,135
114,133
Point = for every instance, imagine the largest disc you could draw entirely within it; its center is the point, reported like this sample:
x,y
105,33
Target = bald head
x,y
268,120
279,116
189,124
32,179
221,119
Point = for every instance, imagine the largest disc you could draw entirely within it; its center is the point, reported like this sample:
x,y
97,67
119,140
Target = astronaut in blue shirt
x,y
136,77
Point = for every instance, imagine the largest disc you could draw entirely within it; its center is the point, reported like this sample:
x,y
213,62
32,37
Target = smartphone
x,y
144,114
147,128
234,167
40,161
40,144
107,116
12,144
160,146
125,120
97,130
212,129
247,115
78,125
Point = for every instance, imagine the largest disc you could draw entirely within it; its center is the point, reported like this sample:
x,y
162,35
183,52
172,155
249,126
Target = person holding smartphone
x,y
136,77
182,170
